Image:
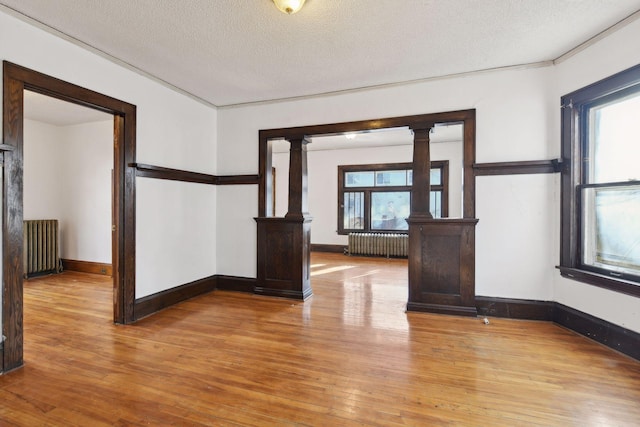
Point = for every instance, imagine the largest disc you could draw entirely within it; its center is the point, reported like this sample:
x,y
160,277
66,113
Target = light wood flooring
x,y
350,355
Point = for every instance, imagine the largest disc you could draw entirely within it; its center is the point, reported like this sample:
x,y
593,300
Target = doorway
x,y
16,80
457,285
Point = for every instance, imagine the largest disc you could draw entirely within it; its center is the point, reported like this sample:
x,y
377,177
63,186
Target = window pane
x,y
436,176
436,204
353,213
611,228
389,210
614,138
358,179
387,178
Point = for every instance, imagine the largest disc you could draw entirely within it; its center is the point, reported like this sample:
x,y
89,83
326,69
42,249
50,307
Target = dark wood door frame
x,y
15,80
282,262
466,117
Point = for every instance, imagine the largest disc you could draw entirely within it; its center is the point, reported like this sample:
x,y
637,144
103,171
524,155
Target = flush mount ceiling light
x,y
289,6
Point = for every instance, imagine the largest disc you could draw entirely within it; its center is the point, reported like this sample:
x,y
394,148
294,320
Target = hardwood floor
x,y
348,356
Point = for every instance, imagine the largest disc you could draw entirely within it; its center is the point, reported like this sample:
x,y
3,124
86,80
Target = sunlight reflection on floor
x,y
330,269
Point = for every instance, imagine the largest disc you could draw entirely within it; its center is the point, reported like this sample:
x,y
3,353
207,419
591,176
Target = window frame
x,y
575,108
443,165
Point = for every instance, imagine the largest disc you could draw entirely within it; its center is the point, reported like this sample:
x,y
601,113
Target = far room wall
x,y
67,176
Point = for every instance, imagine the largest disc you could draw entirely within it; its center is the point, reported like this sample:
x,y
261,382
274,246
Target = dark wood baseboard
x,y
87,267
283,293
150,304
237,284
515,308
613,336
320,247
442,309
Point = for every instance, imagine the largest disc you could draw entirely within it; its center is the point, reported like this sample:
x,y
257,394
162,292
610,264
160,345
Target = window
x,y
378,197
601,183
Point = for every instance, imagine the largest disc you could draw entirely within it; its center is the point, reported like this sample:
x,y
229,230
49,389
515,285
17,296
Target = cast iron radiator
x,y
380,244
40,250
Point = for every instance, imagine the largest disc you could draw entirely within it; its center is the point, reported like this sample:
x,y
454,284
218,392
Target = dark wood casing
x,y
442,266
283,257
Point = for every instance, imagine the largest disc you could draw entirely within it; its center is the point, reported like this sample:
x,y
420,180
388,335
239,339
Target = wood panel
x,y
442,266
283,257
349,356
87,267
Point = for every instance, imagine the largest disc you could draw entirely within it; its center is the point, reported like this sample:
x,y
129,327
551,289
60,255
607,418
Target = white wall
x,y
67,176
610,55
172,131
323,181
508,128
518,118
42,171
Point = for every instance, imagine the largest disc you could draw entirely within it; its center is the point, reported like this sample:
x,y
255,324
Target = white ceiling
x,y
53,111
231,52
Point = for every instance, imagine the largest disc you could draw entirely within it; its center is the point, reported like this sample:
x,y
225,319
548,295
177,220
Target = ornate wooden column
x,y
441,251
284,243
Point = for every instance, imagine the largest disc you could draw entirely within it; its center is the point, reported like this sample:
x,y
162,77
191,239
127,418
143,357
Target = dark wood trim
x,y
87,267
574,107
515,308
467,117
613,336
601,280
517,168
320,247
443,187
7,147
453,310
12,217
151,304
414,121
236,284
15,80
159,172
237,179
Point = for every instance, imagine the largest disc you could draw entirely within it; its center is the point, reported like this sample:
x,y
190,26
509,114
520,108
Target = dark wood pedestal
x,y
442,266
283,257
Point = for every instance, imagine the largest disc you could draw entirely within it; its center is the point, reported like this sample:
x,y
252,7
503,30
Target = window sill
x,y
601,280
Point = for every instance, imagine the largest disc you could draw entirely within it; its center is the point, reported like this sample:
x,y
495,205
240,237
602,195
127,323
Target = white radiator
x,y
379,244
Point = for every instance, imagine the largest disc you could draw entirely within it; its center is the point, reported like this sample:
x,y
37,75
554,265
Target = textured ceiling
x,y
229,52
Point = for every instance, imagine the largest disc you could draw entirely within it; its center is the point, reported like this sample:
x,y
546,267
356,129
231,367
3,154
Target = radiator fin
x,y
40,251
379,244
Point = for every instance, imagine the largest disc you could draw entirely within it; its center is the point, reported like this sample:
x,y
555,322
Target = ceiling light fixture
x,y
289,6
